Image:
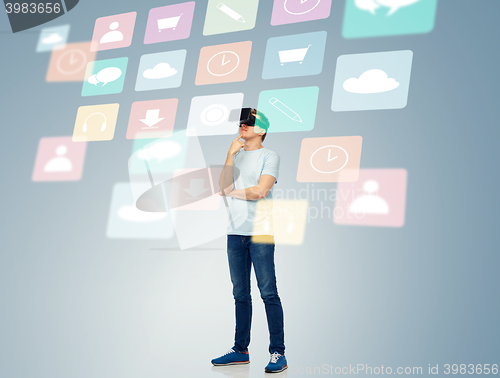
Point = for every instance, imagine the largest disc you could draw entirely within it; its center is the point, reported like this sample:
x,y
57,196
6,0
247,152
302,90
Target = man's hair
x,y
261,121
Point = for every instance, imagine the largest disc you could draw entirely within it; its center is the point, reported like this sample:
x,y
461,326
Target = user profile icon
x,y
59,159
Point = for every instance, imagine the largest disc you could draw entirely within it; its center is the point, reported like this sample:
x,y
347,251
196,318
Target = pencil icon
x,y
231,13
285,109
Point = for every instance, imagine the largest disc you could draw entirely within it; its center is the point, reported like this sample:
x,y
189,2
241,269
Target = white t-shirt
x,y
252,217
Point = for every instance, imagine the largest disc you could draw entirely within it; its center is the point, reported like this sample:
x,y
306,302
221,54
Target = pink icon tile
x,y
113,32
329,159
291,11
152,119
223,63
59,159
378,198
169,23
193,189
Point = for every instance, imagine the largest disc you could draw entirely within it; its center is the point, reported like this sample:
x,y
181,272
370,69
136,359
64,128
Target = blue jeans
x,y
241,253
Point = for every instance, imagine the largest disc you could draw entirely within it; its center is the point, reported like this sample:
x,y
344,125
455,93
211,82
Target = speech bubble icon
x,y
396,4
93,80
109,74
368,5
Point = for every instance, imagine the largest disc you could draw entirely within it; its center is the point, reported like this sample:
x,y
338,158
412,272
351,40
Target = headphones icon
x,y
103,124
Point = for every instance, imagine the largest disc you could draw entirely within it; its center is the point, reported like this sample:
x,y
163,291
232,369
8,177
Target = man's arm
x,y
226,180
256,192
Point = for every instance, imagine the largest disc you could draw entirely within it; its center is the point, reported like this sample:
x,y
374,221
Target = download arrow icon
x,y
151,117
196,187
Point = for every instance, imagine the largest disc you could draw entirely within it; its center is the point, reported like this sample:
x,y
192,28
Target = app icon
x,y
169,23
68,64
372,81
95,122
294,55
113,32
104,77
59,159
378,198
152,119
53,38
291,11
223,63
193,189
160,70
329,159
155,160
292,109
163,155
374,18
289,221
228,16
125,221
210,115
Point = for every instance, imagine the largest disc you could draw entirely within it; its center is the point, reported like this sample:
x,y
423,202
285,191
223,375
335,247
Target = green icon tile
x,y
228,16
292,109
104,77
375,18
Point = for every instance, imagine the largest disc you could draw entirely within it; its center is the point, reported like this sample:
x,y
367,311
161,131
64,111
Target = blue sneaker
x,y
277,363
232,358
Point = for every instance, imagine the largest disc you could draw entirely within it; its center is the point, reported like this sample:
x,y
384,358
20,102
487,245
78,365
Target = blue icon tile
x,y
372,81
294,55
160,70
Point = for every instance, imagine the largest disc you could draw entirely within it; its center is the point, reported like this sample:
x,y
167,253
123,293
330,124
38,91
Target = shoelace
x,y
274,357
229,352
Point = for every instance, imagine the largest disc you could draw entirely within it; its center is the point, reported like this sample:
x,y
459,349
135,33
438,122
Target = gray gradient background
x,y
76,304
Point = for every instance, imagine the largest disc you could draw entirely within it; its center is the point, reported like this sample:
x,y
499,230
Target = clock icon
x,y
293,6
223,63
329,159
71,61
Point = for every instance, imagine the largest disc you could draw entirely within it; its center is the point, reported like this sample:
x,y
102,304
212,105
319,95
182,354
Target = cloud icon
x,y
371,81
132,214
52,38
160,71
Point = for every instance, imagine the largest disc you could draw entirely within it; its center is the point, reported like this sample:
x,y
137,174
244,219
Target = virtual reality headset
x,y
245,116
242,116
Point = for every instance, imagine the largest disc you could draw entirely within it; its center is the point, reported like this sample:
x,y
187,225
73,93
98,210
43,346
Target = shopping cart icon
x,y
168,23
295,55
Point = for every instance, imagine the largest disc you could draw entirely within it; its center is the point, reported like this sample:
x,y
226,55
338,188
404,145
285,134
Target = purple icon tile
x,y
291,11
169,23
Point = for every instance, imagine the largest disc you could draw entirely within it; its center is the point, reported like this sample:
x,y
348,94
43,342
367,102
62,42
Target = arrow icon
x,y
151,117
196,187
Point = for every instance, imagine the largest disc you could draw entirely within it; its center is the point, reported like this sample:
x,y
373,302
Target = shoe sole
x,y
232,363
276,371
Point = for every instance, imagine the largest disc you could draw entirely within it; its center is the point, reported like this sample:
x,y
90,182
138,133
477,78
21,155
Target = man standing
x,y
250,237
